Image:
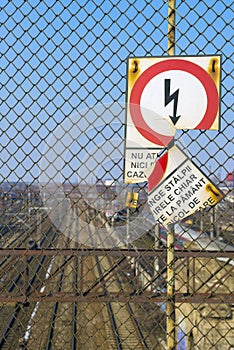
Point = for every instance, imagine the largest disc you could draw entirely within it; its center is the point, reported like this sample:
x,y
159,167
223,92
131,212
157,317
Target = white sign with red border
x,y
169,93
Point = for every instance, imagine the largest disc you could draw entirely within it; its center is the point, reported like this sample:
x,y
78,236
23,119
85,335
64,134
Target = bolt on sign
x,y
165,94
178,188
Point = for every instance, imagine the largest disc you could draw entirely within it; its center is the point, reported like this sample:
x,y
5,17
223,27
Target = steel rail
x,y
13,285
118,252
161,298
22,240
133,318
11,323
129,308
74,322
109,307
29,260
49,344
55,309
110,310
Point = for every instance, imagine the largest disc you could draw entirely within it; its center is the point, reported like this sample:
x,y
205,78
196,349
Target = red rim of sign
x,y
172,64
158,172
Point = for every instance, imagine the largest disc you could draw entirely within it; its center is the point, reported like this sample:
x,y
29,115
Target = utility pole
x,y
171,334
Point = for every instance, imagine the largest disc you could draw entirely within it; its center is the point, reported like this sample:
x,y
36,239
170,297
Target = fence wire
x,y
79,269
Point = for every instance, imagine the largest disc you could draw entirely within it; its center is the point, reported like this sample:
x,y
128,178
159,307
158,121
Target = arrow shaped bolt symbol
x,y
171,97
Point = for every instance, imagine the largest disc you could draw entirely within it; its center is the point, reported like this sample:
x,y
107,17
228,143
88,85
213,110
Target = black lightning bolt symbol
x,y
171,97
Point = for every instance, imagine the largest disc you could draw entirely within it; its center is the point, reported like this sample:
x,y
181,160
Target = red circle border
x,y
163,66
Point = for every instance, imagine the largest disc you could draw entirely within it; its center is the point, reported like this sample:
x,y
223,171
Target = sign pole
x,y
171,27
170,228
127,227
170,288
131,202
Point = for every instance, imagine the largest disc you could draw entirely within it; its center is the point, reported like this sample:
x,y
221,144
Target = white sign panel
x,y
142,148
169,93
137,161
177,188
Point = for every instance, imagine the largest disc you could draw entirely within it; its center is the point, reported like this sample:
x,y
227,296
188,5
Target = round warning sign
x,y
180,91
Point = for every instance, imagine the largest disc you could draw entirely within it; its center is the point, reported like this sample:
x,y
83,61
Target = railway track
x,y
8,318
15,283
18,240
72,325
74,322
9,331
57,323
54,324
126,331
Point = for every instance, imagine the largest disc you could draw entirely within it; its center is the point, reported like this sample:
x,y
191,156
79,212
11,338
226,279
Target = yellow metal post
x,y
171,334
171,27
170,289
131,202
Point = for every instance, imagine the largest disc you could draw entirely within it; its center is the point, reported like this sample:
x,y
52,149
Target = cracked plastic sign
x,y
178,188
166,94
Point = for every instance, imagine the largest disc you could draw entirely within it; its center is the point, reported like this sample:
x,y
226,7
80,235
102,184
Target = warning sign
x,y
182,90
181,190
166,94
137,161
141,152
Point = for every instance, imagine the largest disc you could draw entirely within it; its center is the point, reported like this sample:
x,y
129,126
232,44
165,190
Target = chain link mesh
x,y
64,284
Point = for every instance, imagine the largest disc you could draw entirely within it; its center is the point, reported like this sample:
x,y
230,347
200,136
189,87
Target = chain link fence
x,y
79,269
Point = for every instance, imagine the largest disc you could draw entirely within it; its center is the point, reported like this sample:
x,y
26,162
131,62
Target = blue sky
x,y
60,57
